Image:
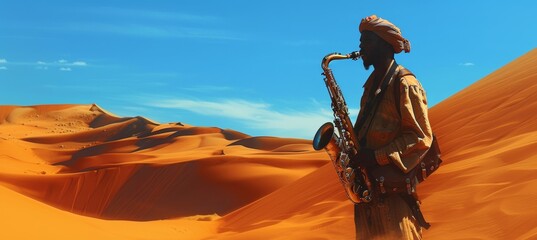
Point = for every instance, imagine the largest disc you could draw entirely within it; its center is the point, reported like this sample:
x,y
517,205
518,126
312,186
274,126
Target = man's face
x,y
368,48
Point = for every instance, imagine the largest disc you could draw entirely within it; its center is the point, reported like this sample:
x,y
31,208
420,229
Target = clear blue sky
x,y
252,66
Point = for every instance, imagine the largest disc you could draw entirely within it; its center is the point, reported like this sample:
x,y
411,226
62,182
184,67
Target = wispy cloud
x,y
467,64
146,23
41,65
154,24
152,14
3,61
155,31
62,64
254,115
207,88
79,63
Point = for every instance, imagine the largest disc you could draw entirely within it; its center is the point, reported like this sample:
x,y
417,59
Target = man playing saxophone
x,y
393,131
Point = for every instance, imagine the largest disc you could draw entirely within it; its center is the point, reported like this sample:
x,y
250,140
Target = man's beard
x,y
367,65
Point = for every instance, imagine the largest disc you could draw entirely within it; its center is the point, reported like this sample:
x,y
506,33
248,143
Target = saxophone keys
x,y
349,174
366,197
344,159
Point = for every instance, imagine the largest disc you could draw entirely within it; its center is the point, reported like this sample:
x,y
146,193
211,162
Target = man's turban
x,y
387,31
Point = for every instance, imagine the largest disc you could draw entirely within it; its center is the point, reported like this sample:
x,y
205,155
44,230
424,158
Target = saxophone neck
x,y
338,56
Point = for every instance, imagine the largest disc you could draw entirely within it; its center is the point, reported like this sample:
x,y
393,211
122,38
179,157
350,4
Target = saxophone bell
x,y
326,138
323,136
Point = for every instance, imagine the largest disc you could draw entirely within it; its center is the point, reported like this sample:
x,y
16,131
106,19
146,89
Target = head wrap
x,y
387,31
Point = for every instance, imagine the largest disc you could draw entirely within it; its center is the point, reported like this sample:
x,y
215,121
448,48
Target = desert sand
x,y
80,172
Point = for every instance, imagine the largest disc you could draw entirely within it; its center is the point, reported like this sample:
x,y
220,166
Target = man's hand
x,y
365,158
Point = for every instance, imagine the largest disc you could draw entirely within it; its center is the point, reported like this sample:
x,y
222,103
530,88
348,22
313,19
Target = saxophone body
x,y
339,140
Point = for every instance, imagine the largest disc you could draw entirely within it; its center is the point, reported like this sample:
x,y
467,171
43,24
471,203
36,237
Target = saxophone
x,y
343,146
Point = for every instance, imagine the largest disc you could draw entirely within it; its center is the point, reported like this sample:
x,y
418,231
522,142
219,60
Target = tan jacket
x,y
401,140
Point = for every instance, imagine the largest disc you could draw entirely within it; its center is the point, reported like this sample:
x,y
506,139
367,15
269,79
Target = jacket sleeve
x,y
415,135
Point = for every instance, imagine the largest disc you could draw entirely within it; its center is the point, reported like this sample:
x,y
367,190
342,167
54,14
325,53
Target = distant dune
x,y
80,172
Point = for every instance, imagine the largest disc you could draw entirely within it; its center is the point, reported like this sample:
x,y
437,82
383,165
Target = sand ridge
x,y
85,160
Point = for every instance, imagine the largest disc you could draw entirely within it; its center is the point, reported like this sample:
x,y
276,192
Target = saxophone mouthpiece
x,y
354,55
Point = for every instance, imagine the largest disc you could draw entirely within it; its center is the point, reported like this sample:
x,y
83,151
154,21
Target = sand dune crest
x,y
97,164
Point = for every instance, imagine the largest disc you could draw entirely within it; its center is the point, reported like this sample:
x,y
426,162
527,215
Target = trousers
x,y
389,218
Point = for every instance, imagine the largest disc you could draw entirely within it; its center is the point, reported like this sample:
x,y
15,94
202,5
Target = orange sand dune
x,y
488,187
90,162
77,171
